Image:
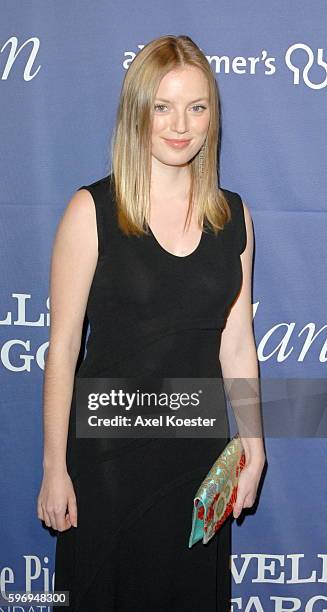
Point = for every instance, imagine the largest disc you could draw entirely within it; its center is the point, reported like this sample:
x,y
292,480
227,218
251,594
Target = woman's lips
x,y
177,144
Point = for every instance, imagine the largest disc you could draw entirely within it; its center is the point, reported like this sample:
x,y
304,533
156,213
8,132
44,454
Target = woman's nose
x,y
180,123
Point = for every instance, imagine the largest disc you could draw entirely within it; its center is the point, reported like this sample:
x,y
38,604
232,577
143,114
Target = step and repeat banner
x,y
61,70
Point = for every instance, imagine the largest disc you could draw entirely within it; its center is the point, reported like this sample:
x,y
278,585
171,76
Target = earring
x,y
202,157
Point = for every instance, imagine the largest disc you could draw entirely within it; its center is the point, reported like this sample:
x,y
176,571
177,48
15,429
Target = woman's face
x,y
181,113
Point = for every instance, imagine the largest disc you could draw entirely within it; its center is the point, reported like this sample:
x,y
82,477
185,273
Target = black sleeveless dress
x,y
151,313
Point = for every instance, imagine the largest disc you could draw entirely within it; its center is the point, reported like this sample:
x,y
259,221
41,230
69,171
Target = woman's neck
x,y
169,182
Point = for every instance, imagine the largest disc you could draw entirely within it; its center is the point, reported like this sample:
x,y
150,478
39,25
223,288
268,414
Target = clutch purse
x,y
216,495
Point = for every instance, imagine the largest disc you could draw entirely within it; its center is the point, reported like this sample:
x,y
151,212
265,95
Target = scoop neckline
x,y
169,254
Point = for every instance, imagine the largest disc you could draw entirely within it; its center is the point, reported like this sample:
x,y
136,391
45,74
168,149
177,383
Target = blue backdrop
x,y
62,66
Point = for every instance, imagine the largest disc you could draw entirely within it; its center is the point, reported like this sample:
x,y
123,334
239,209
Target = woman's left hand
x,y
248,483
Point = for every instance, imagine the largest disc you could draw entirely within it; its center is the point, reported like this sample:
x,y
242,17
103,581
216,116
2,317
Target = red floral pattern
x,y
217,493
210,525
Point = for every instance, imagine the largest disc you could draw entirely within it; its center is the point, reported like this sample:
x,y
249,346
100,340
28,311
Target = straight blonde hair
x,y
131,142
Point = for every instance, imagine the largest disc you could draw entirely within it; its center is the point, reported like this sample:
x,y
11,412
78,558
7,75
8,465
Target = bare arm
x,y
239,364
73,262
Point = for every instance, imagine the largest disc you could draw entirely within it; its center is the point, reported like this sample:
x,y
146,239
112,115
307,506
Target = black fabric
x,y
150,313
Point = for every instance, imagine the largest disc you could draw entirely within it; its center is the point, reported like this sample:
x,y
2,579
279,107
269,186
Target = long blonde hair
x,y
131,142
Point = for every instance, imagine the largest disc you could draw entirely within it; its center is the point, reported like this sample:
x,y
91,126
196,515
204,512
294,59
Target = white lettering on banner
x,y
310,62
279,338
21,315
12,43
281,347
281,569
253,64
25,359
259,64
278,604
37,575
255,568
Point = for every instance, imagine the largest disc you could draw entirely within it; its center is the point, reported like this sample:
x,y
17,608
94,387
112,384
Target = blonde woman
x,y
159,257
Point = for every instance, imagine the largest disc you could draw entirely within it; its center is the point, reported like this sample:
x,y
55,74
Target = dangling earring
x,y
202,157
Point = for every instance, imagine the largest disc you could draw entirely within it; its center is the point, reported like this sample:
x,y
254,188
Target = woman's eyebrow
x,y
192,102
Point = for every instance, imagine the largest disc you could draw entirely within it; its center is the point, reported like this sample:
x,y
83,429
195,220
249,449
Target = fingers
x,y
249,501
58,519
246,492
246,501
237,509
72,510
39,510
47,518
62,521
57,507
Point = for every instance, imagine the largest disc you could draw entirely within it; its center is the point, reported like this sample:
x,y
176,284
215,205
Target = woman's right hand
x,y
56,503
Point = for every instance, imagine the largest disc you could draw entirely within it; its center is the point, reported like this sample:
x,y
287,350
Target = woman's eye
x,y
160,107
200,106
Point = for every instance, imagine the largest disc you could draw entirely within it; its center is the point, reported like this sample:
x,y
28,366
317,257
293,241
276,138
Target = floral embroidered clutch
x,y
216,495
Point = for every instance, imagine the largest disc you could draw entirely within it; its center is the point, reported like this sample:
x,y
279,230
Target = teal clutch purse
x,y
215,498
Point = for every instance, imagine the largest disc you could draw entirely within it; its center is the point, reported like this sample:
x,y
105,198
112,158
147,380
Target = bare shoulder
x,y
247,214
78,222
73,263
81,205
249,227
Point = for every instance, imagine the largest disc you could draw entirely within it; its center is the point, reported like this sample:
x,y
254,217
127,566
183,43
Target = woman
x,y
155,252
